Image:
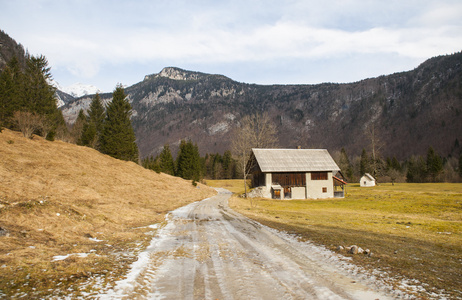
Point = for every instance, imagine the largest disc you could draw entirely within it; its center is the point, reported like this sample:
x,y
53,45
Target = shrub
x,y
27,122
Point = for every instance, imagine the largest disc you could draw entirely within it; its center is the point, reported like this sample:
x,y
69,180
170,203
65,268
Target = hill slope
x,y
410,110
57,199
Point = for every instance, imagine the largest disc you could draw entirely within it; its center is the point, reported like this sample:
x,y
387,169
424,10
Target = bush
x,y
27,122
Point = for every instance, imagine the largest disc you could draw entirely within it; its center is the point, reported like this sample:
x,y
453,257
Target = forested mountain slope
x,y
410,111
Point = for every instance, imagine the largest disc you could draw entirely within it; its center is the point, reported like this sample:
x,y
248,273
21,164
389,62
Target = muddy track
x,y
207,251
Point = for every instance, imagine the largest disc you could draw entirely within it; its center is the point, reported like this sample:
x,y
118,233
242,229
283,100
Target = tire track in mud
x,y
207,251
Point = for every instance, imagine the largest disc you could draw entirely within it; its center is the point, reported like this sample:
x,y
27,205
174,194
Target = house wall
x,y
314,188
268,180
298,192
366,182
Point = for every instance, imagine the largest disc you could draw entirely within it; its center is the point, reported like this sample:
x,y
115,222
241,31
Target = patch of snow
x,y
95,240
59,103
61,257
78,90
81,255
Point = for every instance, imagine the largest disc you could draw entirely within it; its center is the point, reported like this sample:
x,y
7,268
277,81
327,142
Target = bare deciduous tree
x,y
45,126
27,122
256,131
376,145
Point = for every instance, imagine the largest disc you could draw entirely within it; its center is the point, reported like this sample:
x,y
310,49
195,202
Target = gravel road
x,y
207,251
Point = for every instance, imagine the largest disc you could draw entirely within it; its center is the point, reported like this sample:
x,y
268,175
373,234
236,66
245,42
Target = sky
x,y
106,42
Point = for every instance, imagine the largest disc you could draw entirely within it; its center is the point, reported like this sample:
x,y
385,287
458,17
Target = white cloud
x,y
84,37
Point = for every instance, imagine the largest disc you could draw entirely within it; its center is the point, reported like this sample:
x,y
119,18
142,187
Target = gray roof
x,y
369,176
294,160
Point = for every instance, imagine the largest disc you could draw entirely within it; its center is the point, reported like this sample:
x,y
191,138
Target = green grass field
x,y
413,230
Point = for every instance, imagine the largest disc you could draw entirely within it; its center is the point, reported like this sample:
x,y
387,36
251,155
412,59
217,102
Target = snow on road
x,y
207,251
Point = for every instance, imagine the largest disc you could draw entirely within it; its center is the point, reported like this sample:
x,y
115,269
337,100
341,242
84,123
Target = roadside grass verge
x,y
69,215
413,230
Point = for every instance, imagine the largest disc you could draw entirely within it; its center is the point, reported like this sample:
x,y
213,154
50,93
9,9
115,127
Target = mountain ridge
x,y
176,73
411,110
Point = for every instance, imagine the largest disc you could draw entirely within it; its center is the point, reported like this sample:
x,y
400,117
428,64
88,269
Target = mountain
x,y
77,90
410,111
9,48
63,98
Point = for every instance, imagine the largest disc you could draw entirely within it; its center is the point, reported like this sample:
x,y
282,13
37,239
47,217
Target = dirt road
x,y
207,251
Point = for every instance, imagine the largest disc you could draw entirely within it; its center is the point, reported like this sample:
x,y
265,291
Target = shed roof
x,y
369,176
294,160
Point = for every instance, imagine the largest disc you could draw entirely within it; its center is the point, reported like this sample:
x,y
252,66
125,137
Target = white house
x,y
367,180
295,173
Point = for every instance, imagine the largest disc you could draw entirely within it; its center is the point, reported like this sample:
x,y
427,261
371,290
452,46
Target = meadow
x,y
414,231
69,214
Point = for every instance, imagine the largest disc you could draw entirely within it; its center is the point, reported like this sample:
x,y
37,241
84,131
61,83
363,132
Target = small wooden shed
x,y
367,180
295,173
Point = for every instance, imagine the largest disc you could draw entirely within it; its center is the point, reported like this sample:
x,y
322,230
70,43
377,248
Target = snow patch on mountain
x,y
79,89
76,90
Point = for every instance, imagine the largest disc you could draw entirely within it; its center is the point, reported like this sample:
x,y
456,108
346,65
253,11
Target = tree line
x,y
431,167
190,165
28,104
108,129
27,100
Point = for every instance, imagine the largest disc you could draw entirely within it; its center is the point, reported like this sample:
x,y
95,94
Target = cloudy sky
x,y
103,42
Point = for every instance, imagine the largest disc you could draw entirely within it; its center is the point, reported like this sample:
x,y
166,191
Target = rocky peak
x,y
176,74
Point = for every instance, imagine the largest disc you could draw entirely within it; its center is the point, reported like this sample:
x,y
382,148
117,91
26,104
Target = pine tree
x,y
227,165
416,170
188,161
151,163
28,90
94,126
166,162
395,164
39,95
344,164
11,89
77,129
118,138
434,164
363,163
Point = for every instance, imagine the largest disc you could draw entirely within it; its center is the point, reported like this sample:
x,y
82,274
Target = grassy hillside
x,y
413,230
58,199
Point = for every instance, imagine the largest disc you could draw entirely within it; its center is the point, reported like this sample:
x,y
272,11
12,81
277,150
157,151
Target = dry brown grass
x,y
55,196
236,186
413,230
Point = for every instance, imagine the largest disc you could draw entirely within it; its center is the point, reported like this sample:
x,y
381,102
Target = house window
x,y
319,176
289,179
324,190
